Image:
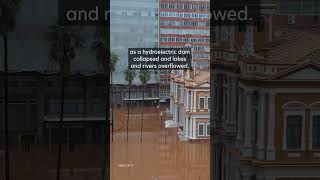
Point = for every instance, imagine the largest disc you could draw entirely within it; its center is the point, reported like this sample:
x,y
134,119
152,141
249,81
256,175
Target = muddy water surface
x,y
160,155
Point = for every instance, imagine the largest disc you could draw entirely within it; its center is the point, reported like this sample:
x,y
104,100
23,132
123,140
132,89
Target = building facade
x,y
184,23
190,104
134,24
266,101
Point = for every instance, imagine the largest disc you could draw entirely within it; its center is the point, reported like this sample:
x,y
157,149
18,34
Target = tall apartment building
x,y
184,23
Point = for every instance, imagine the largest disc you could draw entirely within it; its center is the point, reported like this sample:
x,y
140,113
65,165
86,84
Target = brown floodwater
x,y
160,155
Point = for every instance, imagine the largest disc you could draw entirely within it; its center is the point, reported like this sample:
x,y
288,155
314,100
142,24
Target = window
x,y
242,27
185,15
260,24
208,103
305,7
184,31
201,103
201,129
53,108
289,7
294,131
99,107
208,129
291,19
316,131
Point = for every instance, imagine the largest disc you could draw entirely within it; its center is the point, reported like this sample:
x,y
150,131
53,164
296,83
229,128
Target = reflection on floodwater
x,y
160,155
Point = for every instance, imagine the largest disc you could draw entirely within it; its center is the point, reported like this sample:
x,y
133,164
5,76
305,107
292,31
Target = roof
x,y
313,56
294,69
194,81
291,45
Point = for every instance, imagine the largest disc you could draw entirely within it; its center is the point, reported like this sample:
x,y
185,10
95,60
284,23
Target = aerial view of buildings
x,y
247,109
57,98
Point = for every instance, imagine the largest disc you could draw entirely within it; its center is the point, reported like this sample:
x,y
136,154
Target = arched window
x,y
315,105
259,23
294,105
314,126
294,122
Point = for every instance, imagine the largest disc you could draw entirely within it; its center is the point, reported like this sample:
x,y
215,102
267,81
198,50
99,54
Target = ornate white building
x,y
190,104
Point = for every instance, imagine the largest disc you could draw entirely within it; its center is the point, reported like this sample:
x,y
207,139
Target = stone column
x,y
247,147
186,129
248,119
171,104
228,101
194,127
194,101
187,100
223,164
233,102
271,128
213,159
191,101
224,108
190,126
261,125
240,114
219,108
213,99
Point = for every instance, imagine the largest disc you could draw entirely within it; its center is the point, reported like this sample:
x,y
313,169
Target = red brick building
x,y
184,23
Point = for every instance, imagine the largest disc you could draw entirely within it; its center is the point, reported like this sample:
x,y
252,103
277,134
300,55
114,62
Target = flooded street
x,y
160,155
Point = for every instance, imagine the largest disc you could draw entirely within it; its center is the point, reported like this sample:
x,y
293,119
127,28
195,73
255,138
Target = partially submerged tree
x,y
144,77
100,46
8,14
129,76
63,43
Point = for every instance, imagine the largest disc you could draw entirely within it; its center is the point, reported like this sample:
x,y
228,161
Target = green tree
x,y
8,13
144,77
63,43
129,76
100,47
